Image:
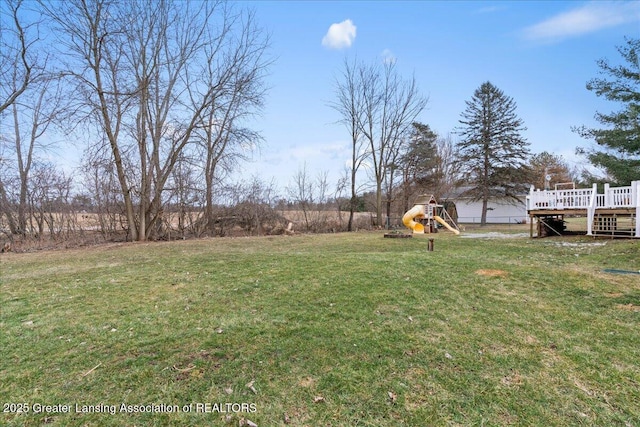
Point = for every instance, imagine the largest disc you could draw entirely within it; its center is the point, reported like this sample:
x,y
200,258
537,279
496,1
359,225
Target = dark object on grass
x,y
397,235
614,271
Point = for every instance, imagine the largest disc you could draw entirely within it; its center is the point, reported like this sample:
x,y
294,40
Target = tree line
x,y
491,159
160,96
160,90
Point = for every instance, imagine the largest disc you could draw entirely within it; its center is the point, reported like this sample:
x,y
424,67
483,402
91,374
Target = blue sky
x,y
540,53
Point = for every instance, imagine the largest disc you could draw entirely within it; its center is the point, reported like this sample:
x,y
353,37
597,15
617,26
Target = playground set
x,y
425,216
613,213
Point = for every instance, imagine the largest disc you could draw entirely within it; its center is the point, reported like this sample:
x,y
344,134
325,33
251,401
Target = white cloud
x,y
340,35
587,18
388,57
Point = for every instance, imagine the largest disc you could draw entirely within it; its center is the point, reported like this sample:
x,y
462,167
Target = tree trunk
x,y
354,197
379,203
352,207
388,220
5,208
483,218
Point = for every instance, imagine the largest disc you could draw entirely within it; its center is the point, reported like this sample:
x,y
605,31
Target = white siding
x,y
498,211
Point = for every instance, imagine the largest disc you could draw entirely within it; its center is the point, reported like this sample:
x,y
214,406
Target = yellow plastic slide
x,y
415,212
445,225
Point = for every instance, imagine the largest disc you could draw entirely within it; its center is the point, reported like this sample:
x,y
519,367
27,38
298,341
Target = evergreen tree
x,y
421,157
492,151
419,162
619,155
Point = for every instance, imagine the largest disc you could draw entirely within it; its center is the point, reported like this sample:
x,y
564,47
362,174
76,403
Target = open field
x,y
323,330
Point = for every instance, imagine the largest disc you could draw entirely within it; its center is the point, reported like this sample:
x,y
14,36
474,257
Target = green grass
x,y
332,330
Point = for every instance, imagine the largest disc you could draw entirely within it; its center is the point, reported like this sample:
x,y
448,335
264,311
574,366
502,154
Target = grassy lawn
x,y
323,330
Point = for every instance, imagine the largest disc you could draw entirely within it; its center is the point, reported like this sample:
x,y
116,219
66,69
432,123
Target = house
x,y
499,210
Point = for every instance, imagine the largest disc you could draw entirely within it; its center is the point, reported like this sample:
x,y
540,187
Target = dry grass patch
x,y
629,307
491,273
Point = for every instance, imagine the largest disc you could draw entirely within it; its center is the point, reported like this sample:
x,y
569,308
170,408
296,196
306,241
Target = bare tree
x,y
548,169
92,39
48,201
146,72
6,202
33,114
349,105
311,196
20,67
401,104
221,133
379,106
100,181
448,167
19,64
302,193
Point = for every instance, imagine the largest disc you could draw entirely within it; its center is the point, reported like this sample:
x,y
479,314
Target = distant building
x,y
499,211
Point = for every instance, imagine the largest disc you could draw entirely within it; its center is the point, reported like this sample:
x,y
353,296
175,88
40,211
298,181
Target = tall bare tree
x,y
378,107
349,105
146,73
92,37
20,67
448,167
549,169
19,62
222,134
33,114
391,104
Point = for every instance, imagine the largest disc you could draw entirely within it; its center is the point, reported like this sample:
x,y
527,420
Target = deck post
x,y
530,226
607,197
591,210
635,197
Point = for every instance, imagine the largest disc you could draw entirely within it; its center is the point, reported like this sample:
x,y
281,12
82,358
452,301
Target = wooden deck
x,y
602,210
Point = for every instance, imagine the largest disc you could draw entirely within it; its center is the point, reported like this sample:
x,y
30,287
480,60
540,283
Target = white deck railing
x,y
559,199
583,198
618,197
589,199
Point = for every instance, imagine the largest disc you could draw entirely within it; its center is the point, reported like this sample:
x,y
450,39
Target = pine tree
x,y
421,158
419,162
620,142
492,150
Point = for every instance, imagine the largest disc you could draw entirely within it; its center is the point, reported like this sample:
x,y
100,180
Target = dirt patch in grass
x,y
491,273
307,382
194,365
629,307
614,295
514,379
